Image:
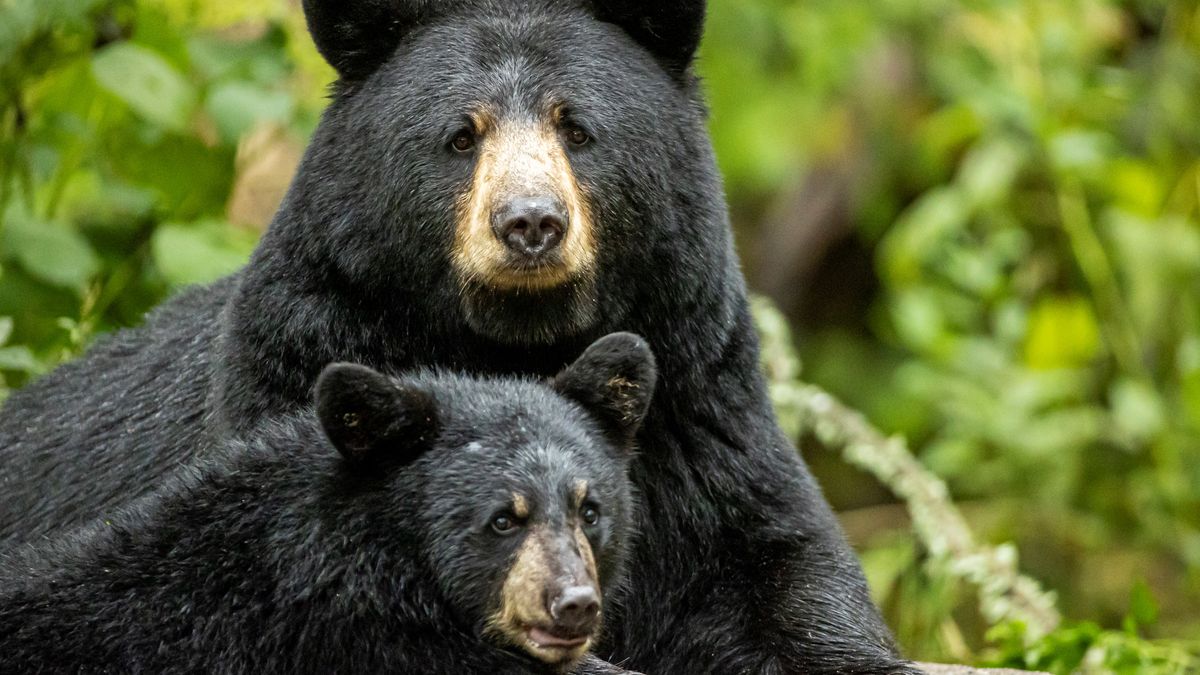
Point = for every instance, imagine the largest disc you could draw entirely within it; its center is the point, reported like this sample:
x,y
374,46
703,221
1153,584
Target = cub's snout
x,y
551,602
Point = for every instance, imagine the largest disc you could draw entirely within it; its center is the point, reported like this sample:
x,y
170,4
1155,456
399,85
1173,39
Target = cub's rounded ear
x,y
670,29
614,379
369,417
356,36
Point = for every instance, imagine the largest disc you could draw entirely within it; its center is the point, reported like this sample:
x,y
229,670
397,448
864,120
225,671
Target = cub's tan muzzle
x,y
550,604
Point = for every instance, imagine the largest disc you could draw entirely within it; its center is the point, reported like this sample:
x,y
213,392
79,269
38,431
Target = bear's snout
x,y
575,611
531,227
524,221
550,602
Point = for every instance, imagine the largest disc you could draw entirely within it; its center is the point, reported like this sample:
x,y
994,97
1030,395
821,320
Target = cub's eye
x,y
464,141
590,515
503,523
577,136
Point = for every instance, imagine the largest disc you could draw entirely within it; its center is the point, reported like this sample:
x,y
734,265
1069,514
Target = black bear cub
x,y
460,526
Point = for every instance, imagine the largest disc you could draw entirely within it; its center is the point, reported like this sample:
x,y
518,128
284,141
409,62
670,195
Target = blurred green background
x,y
981,217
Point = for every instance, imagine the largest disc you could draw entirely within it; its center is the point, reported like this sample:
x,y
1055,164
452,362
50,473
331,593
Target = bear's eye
x,y
502,523
463,141
590,514
577,137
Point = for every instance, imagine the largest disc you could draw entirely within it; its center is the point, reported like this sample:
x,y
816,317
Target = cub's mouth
x,y
546,642
555,645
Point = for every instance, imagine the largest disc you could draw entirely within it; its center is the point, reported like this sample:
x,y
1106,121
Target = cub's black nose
x,y
576,610
531,227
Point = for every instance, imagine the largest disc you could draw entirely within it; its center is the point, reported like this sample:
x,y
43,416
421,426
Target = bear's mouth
x,y
524,274
548,639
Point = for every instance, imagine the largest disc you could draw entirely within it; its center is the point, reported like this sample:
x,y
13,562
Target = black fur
x,y
100,430
356,37
741,567
615,379
366,416
670,29
278,556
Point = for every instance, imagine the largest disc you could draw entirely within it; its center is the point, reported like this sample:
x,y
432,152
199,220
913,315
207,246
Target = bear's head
x,y
512,159
524,503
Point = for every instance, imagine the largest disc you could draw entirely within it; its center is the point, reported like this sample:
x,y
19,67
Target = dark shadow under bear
x,y
494,185
468,527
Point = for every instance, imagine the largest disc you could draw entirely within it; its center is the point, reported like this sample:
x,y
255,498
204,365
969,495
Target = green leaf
x,y
92,200
1063,333
19,358
918,318
1136,186
1143,609
191,179
25,20
1137,409
1080,151
237,107
262,60
989,170
51,252
200,252
937,216
146,82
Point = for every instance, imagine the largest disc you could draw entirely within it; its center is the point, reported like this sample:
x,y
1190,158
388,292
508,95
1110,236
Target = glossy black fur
x,y
355,37
103,429
278,555
741,567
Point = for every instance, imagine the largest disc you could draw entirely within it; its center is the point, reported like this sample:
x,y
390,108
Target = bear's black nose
x,y
529,226
576,610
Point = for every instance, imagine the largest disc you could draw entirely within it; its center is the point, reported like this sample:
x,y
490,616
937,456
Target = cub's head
x,y
524,500
514,159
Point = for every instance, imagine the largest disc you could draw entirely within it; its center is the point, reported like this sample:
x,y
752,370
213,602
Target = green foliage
x,y
1026,176
1086,648
124,130
146,83
1026,628
199,252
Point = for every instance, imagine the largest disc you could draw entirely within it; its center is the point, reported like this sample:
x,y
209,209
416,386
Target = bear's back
x,y
135,399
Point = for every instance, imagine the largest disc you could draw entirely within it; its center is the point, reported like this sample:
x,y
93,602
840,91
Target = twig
x,y
1004,593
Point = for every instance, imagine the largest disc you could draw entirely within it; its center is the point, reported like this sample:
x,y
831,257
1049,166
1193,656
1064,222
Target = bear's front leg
x,y
813,610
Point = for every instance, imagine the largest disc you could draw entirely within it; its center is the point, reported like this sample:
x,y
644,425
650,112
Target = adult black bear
x,y
468,527
494,185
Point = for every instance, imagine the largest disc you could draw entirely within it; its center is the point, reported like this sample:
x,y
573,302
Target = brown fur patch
x,y
520,506
521,597
625,396
483,119
581,491
521,159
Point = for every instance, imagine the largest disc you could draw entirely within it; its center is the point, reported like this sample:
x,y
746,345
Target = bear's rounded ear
x,y
670,29
614,379
356,36
368,416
